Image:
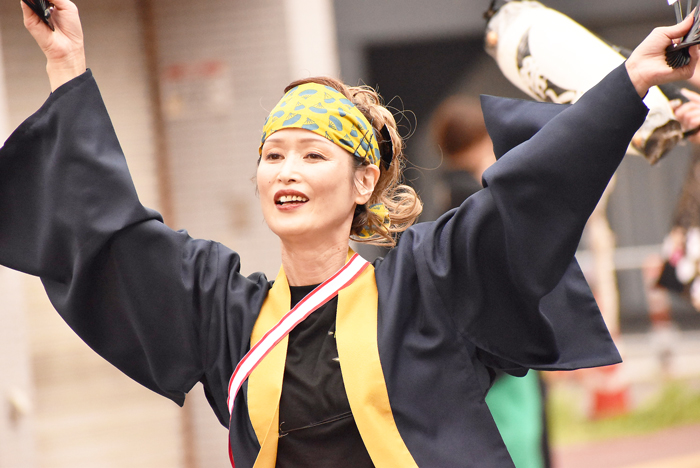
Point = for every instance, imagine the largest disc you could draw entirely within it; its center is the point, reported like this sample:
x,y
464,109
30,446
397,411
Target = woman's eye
x,y
272,156
315,156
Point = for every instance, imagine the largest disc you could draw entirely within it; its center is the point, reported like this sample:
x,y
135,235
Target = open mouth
x,y
291,199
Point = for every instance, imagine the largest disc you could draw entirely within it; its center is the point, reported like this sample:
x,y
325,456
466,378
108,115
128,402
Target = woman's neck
x,y
305,265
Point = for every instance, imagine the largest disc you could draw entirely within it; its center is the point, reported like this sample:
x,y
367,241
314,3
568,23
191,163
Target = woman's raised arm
x,y
165,309
63,47
503,263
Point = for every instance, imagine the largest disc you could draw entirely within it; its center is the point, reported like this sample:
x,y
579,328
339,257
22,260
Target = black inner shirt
x,y
317,428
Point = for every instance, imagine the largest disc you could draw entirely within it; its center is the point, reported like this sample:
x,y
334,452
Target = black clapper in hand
x,y
677,55
43,10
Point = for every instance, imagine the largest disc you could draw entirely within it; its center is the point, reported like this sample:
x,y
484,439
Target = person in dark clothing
x,y
459,130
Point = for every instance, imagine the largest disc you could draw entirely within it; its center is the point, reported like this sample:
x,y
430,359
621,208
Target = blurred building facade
x,y
188,85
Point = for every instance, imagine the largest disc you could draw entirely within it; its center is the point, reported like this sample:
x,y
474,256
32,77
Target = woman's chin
x,y
307,236
293,232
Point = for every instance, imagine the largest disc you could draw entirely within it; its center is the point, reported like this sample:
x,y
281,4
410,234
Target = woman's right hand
x,y
63,47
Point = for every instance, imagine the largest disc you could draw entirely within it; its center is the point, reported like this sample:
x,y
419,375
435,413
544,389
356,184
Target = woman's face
x,y
308,186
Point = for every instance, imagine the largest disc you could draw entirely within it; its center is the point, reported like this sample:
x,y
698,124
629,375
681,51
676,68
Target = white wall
x,y
311,38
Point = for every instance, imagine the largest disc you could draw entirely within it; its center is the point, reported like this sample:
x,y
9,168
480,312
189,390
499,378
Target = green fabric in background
x,y
516,406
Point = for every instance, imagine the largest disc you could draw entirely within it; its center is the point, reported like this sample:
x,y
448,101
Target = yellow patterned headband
x,y
326,112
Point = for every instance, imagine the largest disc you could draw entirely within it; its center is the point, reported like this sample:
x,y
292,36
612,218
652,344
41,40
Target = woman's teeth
x,y
292,199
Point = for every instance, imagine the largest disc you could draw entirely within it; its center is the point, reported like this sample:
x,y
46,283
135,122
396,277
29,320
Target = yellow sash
x,y
265,382
356,337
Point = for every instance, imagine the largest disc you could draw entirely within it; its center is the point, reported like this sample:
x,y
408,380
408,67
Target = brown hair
x,y
401,200
457,124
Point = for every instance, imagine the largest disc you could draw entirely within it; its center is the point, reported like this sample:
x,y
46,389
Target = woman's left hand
x,y
647,65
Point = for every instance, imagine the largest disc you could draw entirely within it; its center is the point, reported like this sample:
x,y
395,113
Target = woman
x,y
391,371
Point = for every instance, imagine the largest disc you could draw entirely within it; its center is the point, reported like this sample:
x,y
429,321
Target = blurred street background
x,y
188,84
660,426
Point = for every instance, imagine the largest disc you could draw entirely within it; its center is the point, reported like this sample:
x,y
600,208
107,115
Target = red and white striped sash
x,y
315,299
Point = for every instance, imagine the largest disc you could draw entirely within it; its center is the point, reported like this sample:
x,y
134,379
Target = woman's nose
x,y
289,172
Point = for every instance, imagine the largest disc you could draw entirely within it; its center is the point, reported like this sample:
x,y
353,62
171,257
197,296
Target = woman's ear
x,y
366,178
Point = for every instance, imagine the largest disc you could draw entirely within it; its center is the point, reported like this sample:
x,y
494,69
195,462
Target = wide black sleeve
x,y
502,264
150,300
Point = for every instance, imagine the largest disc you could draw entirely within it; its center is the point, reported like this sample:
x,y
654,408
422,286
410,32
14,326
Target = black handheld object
x,y
677,55
43,10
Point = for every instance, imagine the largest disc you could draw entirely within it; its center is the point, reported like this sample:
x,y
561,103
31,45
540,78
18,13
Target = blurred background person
x,y
459,130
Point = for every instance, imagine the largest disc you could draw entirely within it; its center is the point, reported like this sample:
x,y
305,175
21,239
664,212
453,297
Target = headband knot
x,y
382,212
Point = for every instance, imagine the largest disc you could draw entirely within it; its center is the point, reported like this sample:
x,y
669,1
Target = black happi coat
x,y
491,284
